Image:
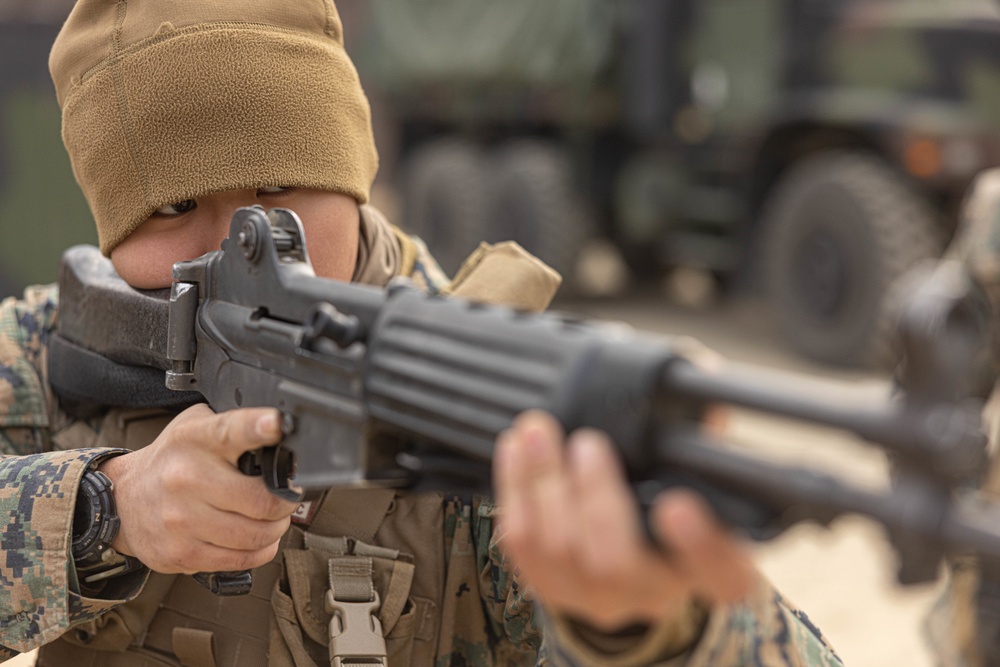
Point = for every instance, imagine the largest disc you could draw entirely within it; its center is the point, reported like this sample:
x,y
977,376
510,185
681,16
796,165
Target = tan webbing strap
x,y
351,579
355,631
194,648
396,590
337,546
343,546
354,512
362,549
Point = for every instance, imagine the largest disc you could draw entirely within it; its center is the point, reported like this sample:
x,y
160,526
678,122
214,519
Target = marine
x,y
172,120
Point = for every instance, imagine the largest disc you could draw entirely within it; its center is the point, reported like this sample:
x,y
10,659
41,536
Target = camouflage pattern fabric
x,y
38,599
765,630
37,596
23,337
475,565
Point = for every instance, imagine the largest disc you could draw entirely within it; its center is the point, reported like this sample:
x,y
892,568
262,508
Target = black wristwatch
x,y
95,527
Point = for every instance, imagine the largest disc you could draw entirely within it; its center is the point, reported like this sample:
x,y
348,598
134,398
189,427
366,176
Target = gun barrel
x,y
944,437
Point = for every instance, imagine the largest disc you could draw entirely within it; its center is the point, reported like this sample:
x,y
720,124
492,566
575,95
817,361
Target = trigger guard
x,y
277,467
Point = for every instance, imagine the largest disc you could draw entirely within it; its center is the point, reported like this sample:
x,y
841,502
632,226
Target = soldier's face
x,y
191,228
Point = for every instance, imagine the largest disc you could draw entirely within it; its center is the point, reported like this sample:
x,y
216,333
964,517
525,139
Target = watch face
x,y
95,523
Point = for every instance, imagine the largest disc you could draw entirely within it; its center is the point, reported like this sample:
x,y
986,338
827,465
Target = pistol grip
x,y
252,463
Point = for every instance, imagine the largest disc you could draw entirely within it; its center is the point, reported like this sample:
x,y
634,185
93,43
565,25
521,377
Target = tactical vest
x,y
357,557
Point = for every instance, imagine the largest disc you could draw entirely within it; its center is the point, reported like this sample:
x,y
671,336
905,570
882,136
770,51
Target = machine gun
x,y
400,387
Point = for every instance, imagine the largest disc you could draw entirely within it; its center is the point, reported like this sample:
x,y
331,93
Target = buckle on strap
x,y
355,633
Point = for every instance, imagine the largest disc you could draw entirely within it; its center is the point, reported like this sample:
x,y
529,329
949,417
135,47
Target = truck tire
x,y
445,199
533,201
839,229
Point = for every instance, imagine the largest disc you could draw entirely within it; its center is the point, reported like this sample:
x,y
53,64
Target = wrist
x,y
96,526
113,468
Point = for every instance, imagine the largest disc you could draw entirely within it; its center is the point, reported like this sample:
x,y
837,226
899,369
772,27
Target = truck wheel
x,y
839,229
533,202
444,199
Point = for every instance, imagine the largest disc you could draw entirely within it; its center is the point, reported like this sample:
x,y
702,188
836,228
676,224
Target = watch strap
x,y
95,527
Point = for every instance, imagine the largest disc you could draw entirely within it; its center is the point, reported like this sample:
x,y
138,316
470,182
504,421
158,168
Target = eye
x,y
272,189
178,208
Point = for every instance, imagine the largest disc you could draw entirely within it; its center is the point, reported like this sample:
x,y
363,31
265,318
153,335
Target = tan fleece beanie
x,y
171,100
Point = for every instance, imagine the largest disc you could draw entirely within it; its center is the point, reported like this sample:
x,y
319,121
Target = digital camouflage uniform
x,y
492,621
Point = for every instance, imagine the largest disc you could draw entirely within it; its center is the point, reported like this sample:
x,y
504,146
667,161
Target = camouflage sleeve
x,y
764,630
38,588
38,601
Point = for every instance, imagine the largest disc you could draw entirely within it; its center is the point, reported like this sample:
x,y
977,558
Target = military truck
x,y
813,148
42,211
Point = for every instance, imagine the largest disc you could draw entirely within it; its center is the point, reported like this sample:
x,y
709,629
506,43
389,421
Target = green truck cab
x,y
813,149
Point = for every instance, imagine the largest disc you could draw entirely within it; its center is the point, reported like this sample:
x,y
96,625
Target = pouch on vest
x,y
341,602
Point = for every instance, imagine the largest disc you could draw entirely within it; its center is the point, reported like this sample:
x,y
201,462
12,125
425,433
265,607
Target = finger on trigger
x,y
237,431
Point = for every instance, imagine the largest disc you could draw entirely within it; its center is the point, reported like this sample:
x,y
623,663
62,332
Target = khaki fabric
x,y
505,274
410,597
384,252
168,101
195,648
